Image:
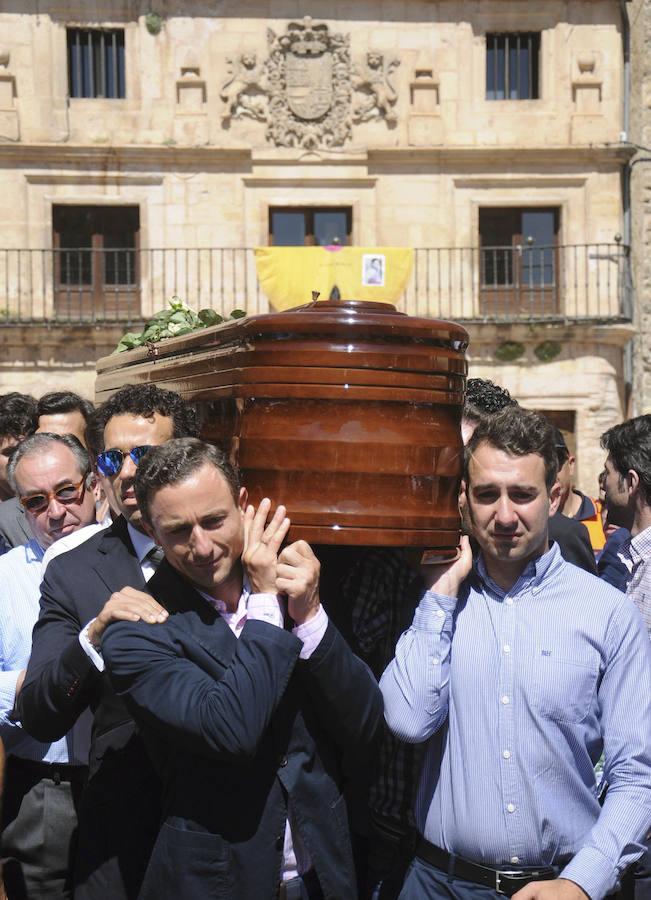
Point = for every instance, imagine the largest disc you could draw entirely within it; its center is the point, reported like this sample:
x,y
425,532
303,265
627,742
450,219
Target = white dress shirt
x,y
20,591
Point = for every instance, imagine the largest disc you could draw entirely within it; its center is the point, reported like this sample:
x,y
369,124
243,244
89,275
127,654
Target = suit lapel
x,y
117,564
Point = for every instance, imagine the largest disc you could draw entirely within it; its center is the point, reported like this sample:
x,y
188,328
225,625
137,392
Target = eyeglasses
x,y
111,461
66,494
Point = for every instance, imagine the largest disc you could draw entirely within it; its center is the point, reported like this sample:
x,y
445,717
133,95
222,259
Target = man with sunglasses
x,y
101,581
51,476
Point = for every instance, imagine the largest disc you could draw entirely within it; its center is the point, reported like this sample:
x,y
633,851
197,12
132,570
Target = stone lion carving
x,y
244,93
372,80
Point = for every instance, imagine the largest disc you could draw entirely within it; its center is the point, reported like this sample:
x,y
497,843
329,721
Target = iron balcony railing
x,y
580,282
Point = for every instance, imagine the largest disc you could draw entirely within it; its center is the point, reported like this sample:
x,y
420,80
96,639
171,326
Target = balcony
x,y
580,283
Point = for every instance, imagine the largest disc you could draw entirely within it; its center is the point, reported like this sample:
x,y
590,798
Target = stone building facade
x,y
640,193
146,149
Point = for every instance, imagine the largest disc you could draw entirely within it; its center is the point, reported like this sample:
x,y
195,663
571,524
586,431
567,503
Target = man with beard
x,y
517,672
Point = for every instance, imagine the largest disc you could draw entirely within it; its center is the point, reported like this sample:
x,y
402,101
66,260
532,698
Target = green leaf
x,y
209,317
238,314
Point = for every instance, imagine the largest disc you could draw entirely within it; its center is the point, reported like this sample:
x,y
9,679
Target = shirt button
x,y
506,754
440,613
515,859
510,807
509,601
505,700
435,660
283,761
506,648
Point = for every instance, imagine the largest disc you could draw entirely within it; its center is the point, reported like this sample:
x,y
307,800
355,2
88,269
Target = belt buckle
x,y
506,873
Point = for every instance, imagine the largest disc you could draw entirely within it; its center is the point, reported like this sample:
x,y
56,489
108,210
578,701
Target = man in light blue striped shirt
x,y
519,672
51,474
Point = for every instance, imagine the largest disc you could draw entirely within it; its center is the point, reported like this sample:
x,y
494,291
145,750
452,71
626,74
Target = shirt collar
x,y
220,606
142,543
33,551
537,570
637,548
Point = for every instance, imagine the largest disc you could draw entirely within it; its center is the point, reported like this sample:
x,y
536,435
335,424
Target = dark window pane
x,y
512,62
288,228
111,232
96,62
330,227
539,237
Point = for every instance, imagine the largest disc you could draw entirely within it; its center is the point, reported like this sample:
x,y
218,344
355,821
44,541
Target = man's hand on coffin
x,y
262,541
298,578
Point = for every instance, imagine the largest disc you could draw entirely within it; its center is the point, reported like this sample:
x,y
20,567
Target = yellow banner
x,y
288,275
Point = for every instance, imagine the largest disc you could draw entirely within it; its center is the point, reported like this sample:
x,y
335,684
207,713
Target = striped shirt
x,y
636,556
517,693
20,591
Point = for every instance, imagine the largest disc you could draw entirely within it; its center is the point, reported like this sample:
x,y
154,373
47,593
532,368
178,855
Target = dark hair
x,y
629,446
37,443
175,461
142,400
518,432
17,415
57,402
484,398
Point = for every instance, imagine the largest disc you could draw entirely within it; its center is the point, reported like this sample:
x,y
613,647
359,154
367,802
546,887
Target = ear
x,y
555,497
633,482
572,461
243,499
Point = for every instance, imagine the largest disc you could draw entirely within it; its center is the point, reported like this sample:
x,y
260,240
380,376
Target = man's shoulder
x,y
72,542
74,562
588,591
18,558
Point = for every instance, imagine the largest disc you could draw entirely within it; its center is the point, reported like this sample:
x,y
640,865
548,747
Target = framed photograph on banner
x,y
373,269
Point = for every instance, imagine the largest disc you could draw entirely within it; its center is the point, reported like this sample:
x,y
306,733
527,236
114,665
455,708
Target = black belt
x,y
503,879
57,772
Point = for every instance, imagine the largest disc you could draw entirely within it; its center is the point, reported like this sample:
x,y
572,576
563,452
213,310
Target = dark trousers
x,y
39,828
636,884
424,882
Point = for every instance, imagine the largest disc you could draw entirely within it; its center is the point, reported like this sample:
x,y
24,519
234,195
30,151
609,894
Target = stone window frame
x,y
309,210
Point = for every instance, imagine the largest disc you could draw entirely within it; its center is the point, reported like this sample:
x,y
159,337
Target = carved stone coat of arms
x,y
304,90
309,86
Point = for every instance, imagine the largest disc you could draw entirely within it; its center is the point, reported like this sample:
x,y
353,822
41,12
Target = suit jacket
x,y
15,530
241,727
120,807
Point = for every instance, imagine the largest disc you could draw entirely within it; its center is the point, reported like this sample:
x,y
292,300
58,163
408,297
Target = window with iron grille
x,y
96,63
96,246
513,66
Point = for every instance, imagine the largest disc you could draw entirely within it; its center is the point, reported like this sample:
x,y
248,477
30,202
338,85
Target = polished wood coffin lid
x,y
346,411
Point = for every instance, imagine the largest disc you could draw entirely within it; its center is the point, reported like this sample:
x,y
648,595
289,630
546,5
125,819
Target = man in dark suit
x,y
255,726
83,590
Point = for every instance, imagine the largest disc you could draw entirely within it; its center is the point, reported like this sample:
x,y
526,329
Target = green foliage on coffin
x,y
178,319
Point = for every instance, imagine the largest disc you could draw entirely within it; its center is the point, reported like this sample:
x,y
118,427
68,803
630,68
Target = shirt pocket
x,y
564,685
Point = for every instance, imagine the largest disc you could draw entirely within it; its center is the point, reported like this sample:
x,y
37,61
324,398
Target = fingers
x,y
258,524
276,530
297,554
130,604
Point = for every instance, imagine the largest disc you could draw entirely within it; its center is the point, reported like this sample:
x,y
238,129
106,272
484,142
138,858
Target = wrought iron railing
x,y
578,282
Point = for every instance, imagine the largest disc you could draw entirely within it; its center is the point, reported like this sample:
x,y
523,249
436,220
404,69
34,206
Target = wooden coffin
x,y
346,412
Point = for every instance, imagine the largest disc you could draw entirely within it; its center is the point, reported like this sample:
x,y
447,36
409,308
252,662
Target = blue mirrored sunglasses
x,y
111,461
